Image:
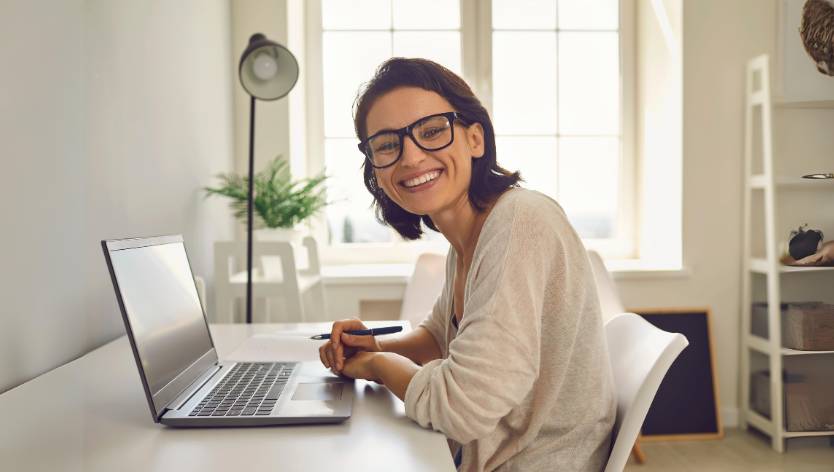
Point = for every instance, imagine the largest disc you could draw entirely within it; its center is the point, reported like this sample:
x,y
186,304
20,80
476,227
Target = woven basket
x,y
817,33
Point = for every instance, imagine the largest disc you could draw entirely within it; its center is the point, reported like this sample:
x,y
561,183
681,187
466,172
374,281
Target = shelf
x,y
762,345
760,422
759,181
760,266
806,104
794,352
759,344
805,434
765,425
762,192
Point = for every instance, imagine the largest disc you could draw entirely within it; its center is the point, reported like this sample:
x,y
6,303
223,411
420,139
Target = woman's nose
x,y
412,154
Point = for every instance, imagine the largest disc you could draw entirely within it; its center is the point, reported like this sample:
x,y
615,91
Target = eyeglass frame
x,y
451,116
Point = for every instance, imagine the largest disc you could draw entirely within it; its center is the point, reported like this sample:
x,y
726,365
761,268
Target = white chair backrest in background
x,y
609,298
423,288
287,281
640,355
200,283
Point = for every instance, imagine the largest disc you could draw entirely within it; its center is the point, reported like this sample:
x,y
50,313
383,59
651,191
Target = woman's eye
x,y
431,132
386,147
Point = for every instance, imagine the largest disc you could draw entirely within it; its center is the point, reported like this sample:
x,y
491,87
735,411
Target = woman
x,y
511,364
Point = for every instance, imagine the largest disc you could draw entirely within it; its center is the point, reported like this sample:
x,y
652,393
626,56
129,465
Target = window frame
x,y
476,62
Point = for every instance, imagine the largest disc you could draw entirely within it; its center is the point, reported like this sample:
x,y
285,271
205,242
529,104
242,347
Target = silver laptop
x,y
185,383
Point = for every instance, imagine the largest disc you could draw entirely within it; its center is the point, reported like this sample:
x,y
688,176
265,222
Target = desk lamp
x,y
268,71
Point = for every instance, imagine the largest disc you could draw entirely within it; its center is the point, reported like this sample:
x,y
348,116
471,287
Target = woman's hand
x,y
361,366
341,346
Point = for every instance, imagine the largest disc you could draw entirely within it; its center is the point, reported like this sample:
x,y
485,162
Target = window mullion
x,y
476,46
315,103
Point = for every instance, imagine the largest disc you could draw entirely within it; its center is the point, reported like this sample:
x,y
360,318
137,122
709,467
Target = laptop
x,y
185,382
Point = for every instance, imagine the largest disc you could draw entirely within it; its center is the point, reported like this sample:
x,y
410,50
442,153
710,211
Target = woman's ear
x,y
475,139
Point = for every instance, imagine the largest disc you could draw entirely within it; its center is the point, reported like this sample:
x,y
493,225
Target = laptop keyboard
x,y
249,389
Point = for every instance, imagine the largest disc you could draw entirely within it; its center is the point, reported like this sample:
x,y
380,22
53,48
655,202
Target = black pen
x,y
364,332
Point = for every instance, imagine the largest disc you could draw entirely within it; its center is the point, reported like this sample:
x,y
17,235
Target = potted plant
x,y
279,203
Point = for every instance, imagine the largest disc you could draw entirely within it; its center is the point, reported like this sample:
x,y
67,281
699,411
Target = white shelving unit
x,y
768,186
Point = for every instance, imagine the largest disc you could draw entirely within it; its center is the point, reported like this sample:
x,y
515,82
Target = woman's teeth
x,y
428,176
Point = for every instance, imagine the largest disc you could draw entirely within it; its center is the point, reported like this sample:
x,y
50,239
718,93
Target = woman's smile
x,y
418,182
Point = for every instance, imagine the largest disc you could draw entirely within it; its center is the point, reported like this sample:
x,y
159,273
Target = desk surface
x,y
91,415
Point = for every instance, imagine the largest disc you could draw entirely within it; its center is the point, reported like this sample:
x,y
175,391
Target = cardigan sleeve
x,y
494,359
437,321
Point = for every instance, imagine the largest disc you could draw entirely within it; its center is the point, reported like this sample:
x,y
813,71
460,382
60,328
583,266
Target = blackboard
x,y
686,404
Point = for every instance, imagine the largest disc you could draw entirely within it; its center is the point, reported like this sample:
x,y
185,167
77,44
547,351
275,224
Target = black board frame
x,y
667,407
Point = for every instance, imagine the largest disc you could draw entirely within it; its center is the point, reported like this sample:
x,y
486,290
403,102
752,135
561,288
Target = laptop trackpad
x,y
318,391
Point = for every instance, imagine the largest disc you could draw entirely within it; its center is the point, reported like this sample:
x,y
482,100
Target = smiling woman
x,y
412,81
511,363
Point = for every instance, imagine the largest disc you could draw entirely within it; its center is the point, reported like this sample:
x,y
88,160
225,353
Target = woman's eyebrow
x,y
384,129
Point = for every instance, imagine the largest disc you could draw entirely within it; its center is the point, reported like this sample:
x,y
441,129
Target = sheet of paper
x,y
275,347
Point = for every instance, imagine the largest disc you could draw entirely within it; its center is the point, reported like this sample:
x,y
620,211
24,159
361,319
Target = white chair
x,y
423,287
291,284
201,290
640,354
609,298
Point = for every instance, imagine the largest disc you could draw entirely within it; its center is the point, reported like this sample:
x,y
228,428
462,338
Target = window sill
x,y
640,269
385,274
351,274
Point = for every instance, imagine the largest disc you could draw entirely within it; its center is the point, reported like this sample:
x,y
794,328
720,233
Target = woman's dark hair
x,y
488,180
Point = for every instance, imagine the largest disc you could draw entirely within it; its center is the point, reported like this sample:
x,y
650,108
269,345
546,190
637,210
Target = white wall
x,y
718,38
114,115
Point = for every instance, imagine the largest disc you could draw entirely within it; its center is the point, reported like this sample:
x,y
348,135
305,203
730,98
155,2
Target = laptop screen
x,y
162,305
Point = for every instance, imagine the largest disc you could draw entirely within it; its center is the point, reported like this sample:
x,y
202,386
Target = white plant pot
x,y
272,264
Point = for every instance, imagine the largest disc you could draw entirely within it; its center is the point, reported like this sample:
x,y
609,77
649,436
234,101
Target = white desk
x,y
91,415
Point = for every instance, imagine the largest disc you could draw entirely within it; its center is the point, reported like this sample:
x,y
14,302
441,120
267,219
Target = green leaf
x,y
278,202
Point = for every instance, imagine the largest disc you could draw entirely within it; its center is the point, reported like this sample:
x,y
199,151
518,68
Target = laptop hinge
x,y
195,387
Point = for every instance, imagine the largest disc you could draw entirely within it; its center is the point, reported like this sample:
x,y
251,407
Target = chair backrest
x,y
640,354
277,268
609,298
423,288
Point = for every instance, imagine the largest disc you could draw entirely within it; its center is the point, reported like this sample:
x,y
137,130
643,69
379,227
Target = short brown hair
x,y
489,180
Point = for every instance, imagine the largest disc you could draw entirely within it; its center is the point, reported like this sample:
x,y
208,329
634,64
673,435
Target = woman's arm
x,y
394,371
418,345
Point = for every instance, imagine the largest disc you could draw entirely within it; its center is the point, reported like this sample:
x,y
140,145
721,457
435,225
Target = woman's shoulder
x,y
529,209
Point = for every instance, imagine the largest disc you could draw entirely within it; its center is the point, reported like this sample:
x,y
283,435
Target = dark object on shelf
x,y
686,404
807,326
817,33
823,257
804,242
819,176
806,396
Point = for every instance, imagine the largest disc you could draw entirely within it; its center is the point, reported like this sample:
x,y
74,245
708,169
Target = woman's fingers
x,y
327,356
362,342
335,339
330,362
341,345
323,355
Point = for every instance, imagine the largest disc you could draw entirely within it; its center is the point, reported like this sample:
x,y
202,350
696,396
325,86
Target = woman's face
x,y
424,182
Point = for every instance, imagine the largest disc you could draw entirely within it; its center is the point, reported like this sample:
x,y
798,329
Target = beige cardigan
x,y
525,382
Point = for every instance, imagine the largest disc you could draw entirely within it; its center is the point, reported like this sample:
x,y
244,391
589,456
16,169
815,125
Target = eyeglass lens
x,y
430,134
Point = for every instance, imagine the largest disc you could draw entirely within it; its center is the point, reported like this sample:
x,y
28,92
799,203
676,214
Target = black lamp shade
x,y
268,70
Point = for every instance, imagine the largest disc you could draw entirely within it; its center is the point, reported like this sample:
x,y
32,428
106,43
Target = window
x,y
553,73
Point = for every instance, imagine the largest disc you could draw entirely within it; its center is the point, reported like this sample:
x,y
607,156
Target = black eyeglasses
x,y
430,133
